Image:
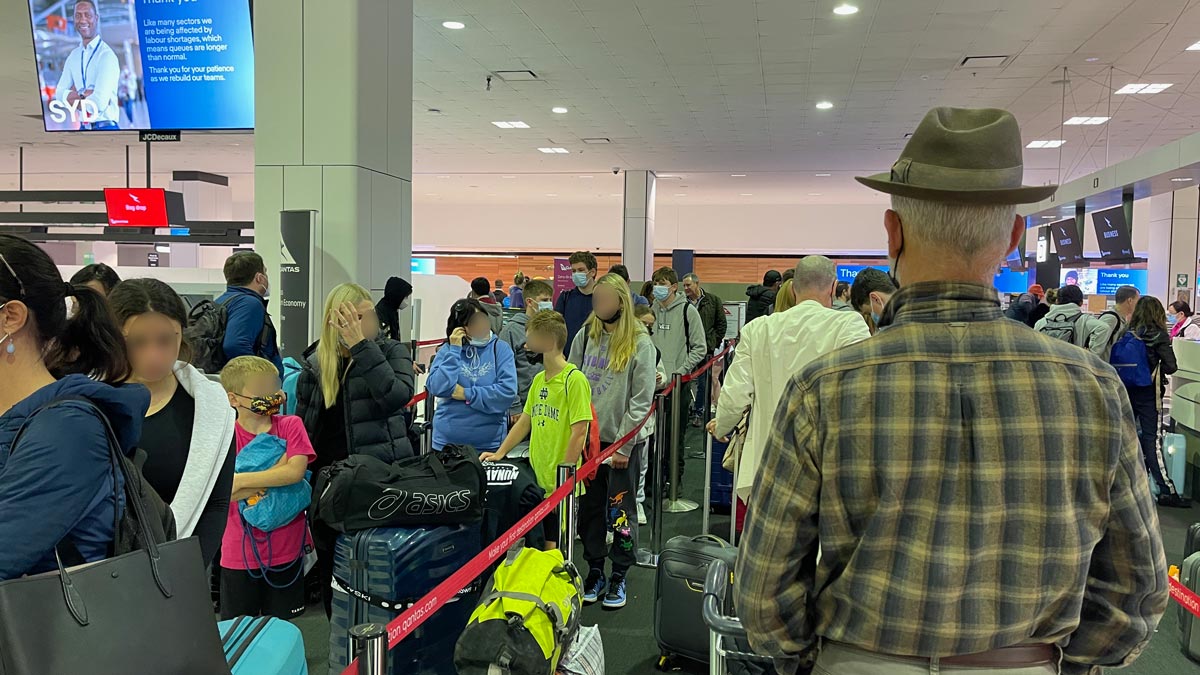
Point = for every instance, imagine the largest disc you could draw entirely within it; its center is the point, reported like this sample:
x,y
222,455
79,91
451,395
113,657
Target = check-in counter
x,y
1185,406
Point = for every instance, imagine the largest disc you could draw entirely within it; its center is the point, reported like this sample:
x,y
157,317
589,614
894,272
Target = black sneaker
x,y
1174,501
594,589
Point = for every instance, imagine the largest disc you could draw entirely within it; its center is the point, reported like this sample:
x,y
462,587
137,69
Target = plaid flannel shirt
x,y
972,485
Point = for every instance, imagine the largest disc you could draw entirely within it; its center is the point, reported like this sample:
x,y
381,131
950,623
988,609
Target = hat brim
x,y
1027,194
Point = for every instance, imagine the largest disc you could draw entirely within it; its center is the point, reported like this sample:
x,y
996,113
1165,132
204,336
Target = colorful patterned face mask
x,y
265,405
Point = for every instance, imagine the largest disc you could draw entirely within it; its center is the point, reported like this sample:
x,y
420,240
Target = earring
x,y
10,349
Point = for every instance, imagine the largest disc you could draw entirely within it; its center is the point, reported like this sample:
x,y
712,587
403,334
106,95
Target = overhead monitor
x,y
136,207
1067,243
849,273
1011,282
107,65
1086,279
1113,234
1108,281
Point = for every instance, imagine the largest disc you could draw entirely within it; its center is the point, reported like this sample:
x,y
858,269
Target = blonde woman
x,y
618,358
352,393
785,299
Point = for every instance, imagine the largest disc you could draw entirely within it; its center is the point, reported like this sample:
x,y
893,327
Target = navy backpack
x,y
1131,358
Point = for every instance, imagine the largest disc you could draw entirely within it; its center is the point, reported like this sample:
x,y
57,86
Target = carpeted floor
x,y
630,647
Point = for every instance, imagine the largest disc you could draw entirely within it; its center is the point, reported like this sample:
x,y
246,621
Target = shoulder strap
x,y
687,333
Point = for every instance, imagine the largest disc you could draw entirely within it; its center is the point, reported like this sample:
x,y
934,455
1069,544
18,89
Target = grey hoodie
x,y
680,353
1090,333
514,334
495,315
622,400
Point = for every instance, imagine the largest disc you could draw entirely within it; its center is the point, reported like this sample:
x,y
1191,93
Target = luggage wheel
x,y
666,663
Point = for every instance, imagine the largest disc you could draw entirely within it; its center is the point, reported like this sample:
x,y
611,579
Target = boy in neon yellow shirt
x,y
557,410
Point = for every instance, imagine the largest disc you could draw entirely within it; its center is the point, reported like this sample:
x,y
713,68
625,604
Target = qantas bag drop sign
x,y
439,488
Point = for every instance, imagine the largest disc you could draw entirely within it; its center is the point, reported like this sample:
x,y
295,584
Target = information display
x,y
106,65
136,207
849,273
1067,242
1085,279
424,266
1113,234
1108,281
1011,282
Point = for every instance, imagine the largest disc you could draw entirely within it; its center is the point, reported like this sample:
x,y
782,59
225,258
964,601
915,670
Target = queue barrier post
x,y
370,646
675,503
566,514
648,557
427,429
708,456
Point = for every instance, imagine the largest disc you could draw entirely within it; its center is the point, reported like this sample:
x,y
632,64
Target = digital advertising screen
x,y
136,207
108,65
1113,234
1011,282
1067,242
849,273
1085,279
1108,281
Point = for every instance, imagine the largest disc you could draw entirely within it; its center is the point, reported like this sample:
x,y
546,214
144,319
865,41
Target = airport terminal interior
x,y
523,143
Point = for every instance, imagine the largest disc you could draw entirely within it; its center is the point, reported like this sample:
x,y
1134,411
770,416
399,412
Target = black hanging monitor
x,y
1067,243
1113,235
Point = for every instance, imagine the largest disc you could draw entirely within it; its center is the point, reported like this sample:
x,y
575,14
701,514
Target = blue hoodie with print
x,y
57,482
488,375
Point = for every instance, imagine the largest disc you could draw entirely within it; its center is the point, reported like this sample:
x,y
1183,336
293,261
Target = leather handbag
x,y
737,438
438,488
147,611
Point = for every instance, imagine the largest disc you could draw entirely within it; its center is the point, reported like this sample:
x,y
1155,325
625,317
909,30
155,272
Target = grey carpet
x,y
630,647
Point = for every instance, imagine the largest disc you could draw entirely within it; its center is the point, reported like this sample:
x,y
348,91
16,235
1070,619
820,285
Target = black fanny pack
x,y
439,488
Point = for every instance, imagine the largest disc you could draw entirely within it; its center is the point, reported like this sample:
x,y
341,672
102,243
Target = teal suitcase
x,y
263,646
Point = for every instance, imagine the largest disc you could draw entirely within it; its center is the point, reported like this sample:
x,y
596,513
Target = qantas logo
x,y
134,198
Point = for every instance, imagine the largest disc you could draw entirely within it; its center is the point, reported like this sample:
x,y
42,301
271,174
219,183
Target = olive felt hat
x,y
962,155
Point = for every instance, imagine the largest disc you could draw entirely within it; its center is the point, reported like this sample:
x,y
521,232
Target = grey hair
x,y
691,277
814,273
968,229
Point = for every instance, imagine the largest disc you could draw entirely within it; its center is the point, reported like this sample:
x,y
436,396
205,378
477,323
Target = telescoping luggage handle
x,y
721,625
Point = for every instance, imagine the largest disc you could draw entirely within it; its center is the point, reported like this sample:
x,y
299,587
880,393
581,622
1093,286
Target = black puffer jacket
x,y
761,302
377,384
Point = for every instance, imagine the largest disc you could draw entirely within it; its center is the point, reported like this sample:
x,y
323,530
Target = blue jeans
x,y
103,126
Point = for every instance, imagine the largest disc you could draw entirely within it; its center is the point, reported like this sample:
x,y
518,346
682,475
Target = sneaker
x,y
641,514
1174,501
593,590
615,599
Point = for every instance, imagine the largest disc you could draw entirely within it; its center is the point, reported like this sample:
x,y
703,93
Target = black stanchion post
x,y
566,514
675,503
369,642
427,430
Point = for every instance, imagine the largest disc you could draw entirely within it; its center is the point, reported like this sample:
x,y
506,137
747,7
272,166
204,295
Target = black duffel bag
x,y
439,488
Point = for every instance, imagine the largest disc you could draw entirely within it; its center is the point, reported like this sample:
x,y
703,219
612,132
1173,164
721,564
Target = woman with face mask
x,y
537,297
474,378
56,486
188,430
352,395
397,296
1183,323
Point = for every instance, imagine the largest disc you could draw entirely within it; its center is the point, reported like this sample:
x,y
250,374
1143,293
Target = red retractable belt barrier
x,y
709,364
1184,596
427,343
417,399
403,625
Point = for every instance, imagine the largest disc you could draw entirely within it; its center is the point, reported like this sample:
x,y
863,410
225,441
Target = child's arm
x,y
518,433
289,471
576,442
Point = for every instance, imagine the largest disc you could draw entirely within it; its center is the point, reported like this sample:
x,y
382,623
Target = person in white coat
x,y
772,350
188,431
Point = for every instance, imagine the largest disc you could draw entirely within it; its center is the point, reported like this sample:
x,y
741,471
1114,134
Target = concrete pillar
x,y
1185,231
637,242
333,134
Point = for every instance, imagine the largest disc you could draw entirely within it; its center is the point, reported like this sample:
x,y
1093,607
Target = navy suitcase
x,y
263,646
386,570
720,495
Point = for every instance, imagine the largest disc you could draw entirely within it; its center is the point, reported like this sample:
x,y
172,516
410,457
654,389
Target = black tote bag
x,y
147,611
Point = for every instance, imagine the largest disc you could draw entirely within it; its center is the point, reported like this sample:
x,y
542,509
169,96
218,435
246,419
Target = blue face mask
x,y
482,343
875,318
543,306
580,279
661,292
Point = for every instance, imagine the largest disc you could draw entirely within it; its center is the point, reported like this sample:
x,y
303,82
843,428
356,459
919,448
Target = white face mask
x,y
545,305
404,305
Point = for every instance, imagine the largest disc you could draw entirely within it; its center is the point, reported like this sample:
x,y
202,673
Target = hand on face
x,y
458,337
349,324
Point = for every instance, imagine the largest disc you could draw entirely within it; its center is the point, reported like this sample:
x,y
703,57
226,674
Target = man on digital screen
x,y
1072,278
91,74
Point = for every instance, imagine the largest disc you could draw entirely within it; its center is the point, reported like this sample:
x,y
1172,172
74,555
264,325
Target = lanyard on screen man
x,y
84,65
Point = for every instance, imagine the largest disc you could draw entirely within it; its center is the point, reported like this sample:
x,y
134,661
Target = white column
x,y
1185,221
637,242
333,133
1154,214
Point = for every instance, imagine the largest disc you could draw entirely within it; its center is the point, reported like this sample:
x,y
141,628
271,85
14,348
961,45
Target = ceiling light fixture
x,y
845,9
512,125
554,151
454,25
508,176
814,194
737,175
747,194
1144,88
1090,121
824,105
559,110
1045,144
1049,217
1092,59
551,194
823,175
1194,47
680,194
1181,179
587,176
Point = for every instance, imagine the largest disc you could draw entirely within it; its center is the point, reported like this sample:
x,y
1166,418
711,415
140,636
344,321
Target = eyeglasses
x,y
20,286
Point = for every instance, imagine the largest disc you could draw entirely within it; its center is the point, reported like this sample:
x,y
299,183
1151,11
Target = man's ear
x,y
1017,232
895,233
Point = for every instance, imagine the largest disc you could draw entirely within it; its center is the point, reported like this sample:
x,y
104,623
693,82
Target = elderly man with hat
x,y
958,533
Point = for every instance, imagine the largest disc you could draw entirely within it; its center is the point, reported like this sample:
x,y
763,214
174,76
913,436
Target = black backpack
x,y
205,333
1061,330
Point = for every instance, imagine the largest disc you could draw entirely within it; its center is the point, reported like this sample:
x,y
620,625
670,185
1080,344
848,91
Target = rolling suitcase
x,y
378,573
1192,543
263,646
679,593
1189,625
720,494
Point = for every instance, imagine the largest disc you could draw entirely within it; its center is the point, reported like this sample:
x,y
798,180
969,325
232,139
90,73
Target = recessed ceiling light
x,y
1045,144
553,151
559,110
823,175
1194,47
443,176
551,194
597,141
747,194
824,105
737,175
680,194
1092,59
1181,179
587,176
430,194
1090,121
454,25
1048,217
845,9
1143,88
814,194
508,176
512,125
